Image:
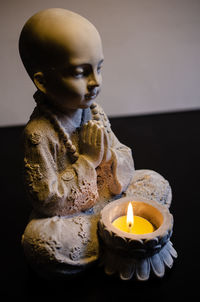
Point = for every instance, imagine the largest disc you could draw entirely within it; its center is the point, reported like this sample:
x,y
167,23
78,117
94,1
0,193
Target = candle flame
x,y
129,218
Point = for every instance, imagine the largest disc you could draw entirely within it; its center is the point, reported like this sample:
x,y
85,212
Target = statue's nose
x,y
93,82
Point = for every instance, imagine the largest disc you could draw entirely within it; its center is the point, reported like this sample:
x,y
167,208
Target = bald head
x,y
54,35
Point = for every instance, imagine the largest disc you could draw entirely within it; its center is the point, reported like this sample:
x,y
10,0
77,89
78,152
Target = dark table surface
x,y
167,143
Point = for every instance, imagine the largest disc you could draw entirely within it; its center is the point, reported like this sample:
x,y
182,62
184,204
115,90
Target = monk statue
x,y
73,163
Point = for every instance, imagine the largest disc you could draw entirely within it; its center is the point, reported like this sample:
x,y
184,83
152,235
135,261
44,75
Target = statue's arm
x,y
118,156
56,190
122,165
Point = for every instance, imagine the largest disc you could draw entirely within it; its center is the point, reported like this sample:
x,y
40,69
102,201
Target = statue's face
x,y
76,80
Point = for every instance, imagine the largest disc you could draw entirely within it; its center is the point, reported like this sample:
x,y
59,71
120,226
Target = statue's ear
x,y
39,81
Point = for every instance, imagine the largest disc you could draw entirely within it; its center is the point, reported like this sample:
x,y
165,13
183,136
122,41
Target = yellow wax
x,y
140,225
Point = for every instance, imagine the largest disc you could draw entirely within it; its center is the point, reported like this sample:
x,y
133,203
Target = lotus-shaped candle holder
x,y
136,254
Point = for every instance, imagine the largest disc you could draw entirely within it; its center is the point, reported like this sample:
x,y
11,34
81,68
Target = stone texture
x,y
150,185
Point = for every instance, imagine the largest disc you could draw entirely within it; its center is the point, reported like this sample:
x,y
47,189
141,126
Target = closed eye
x,y
81,71
99,67
76,71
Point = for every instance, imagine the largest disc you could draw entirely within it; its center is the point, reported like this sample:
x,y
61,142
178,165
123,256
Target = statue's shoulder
x,y
38,129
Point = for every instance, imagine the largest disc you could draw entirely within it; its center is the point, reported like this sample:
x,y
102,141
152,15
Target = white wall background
x,y
151,48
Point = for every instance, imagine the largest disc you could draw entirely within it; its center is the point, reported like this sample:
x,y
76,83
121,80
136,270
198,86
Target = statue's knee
x,y
149,184
69,241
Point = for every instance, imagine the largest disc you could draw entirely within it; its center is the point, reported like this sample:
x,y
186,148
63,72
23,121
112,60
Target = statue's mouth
x,y
91,96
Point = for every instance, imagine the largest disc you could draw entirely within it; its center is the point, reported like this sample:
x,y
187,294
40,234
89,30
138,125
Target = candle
x,y
133,224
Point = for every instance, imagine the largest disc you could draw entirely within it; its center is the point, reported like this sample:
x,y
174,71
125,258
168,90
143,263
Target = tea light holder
x,y
136,255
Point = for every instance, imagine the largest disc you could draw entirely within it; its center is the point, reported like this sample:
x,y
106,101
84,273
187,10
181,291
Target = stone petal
x,y
171,249
127,271
157,265
143,269
151,243
166,257
110,263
